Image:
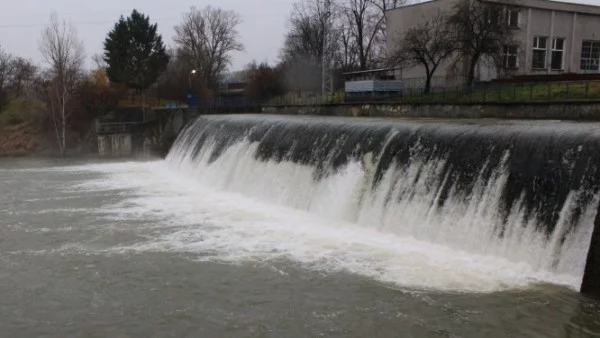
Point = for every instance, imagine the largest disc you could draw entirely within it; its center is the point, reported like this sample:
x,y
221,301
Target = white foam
x,y
190,216
404,203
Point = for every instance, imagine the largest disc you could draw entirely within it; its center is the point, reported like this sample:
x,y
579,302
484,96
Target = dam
x,y
521,191
296,226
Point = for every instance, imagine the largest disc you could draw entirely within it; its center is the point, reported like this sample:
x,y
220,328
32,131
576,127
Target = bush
x,y
22,110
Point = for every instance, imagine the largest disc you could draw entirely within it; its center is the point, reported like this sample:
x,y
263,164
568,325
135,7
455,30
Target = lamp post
x,y
190,81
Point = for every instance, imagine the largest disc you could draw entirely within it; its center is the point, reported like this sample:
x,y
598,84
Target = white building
x,y
550,38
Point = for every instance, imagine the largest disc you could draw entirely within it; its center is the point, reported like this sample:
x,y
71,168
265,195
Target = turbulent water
x,y
522,195
283,227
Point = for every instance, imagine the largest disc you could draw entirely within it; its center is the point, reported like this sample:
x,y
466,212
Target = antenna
x,y
327,58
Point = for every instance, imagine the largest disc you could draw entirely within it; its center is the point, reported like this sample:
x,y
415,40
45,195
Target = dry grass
x,y
20,139
21,127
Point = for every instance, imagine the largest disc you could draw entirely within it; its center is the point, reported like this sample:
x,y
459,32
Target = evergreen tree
x,y
134,52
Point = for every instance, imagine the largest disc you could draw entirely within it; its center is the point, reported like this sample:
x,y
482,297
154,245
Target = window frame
x,y
506,54
590,56
509,12
494,14
554,49
536,47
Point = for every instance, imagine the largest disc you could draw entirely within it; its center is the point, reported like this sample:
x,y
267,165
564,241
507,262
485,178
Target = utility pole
x,y
327,59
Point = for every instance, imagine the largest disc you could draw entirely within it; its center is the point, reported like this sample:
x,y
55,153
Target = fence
x,y
480,93
116,127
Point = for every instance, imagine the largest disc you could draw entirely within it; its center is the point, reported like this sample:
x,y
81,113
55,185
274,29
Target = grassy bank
x,y
26,130
518,93
482,93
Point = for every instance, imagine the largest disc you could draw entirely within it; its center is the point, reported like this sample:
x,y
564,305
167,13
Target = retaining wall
x,y
555,111
115,145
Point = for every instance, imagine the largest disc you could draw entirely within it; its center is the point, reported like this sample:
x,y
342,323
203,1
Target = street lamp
x,y
190,80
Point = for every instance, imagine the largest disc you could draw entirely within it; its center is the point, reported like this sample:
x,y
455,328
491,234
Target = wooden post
x,y
484,93
587,89
531,92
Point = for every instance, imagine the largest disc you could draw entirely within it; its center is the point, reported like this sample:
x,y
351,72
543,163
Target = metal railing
x,y
115,127
479,93
538,92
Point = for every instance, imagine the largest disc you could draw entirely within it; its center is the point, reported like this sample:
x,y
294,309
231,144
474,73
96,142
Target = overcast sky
x,y
262,29
21,22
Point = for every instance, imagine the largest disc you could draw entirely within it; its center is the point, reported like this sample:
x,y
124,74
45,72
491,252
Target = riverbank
x,y
31,138
21,140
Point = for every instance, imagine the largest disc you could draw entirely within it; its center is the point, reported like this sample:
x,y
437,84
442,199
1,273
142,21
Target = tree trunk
x,y
471,73
64,136
56,127
427,88
143,105
63,118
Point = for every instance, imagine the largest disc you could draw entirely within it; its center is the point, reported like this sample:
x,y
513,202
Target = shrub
x,y
22,110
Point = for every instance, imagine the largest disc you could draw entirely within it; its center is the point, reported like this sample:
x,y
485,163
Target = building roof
x,y
413,4
234,77
371,71
560,6
541,4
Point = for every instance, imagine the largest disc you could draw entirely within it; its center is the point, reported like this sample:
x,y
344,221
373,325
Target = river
x,y
137,249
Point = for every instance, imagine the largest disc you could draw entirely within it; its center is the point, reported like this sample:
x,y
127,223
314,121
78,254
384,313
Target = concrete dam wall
x,y
530,111
525,192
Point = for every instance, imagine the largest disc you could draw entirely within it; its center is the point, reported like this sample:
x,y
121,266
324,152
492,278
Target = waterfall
x,y
523,191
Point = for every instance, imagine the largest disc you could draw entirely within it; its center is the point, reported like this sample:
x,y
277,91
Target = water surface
x,y
139,250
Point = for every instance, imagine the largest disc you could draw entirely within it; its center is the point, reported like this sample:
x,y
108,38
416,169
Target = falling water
x,y
523,191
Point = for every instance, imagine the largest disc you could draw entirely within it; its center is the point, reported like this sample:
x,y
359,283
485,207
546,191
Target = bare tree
x,y
23,76
63,52
347,55
427,44
306,36
366,22
99,61
482,30
309,41
5,67
264,81
380,44
6,70
208,37
383,6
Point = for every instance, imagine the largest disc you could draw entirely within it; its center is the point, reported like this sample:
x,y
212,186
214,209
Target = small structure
x,y
232,86
372,83
128,132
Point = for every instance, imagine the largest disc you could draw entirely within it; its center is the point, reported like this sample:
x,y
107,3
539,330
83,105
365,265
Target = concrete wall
x,y
587,27
573,22
567,111
571,26
400,20
115,145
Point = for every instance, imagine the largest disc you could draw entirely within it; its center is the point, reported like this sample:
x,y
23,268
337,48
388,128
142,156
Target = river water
x,y
138,249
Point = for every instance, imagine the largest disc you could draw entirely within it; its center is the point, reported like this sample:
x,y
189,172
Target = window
x,y
558,49
513,18
509,55
493,13
539,52
590,55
